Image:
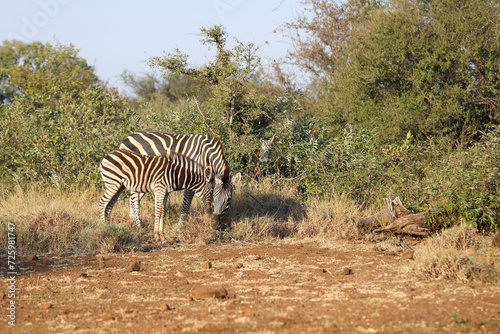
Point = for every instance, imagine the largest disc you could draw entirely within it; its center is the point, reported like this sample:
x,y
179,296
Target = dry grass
x,y
54,221
458,253
332,217
50,220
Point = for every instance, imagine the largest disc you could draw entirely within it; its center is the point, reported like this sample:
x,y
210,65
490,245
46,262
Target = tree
x,y
320,36
229,76
61,122
242,108
430,67
147,87
36,68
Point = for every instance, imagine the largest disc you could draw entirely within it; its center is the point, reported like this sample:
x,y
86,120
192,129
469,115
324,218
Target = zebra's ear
x,y
236,180
208,173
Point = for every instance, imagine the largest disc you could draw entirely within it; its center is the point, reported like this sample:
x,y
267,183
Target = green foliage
x,y
151,87
267,132
467,184
394,89
429,67
232,101
62,123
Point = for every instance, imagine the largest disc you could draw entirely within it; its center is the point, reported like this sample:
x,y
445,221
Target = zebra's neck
x,y
214,157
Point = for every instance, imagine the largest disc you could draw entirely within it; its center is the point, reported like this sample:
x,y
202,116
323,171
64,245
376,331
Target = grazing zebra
x,y
204,150
144,173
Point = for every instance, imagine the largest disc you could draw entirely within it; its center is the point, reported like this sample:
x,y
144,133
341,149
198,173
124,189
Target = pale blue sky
x,y
118,35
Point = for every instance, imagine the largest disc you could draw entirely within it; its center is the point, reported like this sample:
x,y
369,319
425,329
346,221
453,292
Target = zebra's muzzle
x,y
216,220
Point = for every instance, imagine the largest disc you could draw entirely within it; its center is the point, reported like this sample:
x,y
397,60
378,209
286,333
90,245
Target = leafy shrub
x,y
61,124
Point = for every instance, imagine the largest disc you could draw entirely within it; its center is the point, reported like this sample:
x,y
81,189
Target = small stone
x,y
496,240
311,279
238,266
346,271
45,306
84,275
32,258
100,258
191,299
408,255
205,292
2,296
133,266
207,265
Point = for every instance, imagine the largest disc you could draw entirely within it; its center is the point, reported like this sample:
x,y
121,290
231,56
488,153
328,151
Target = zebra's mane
x,y
226,172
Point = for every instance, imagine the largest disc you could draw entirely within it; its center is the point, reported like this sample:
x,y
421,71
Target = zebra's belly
x,y
138,187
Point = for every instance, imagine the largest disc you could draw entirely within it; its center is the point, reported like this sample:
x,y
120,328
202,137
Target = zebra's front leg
x,y
135,202
160,199
186,204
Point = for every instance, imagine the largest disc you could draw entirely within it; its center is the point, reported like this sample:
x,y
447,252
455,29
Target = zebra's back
x,y
153,142
137,172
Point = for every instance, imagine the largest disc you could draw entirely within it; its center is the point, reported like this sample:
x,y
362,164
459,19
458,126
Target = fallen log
x,y
381,218
395,218
413,224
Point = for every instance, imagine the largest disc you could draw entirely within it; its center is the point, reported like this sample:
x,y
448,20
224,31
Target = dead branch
x,y
395,218
413,224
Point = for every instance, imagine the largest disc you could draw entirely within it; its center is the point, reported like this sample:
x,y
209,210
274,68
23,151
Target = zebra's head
x,y
223,192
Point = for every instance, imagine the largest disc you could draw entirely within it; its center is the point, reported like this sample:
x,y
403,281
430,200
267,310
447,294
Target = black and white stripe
x,y
207,151
145,173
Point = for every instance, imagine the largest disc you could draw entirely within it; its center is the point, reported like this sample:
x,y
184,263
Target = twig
x,y
287,179
203,116
255,199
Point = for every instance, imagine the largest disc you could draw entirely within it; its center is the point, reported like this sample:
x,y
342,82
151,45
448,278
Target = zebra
x,y
144,173
206,151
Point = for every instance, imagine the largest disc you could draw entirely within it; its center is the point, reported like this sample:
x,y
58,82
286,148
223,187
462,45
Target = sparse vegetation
x,y
392,110
459,254
54,221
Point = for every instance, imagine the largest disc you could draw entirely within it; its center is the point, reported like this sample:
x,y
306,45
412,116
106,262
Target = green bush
x,y
61,123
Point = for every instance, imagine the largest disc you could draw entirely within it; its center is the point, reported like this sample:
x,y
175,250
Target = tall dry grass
x,y
50,220
459,254
62,222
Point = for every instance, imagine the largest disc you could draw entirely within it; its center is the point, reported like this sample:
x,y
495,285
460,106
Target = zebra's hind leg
x,y
135,202
186,204
108,201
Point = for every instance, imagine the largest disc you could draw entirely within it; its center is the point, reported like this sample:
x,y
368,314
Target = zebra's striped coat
x,y
207,151
145,173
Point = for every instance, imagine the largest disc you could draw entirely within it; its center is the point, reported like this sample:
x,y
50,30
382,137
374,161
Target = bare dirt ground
x,y
279,287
